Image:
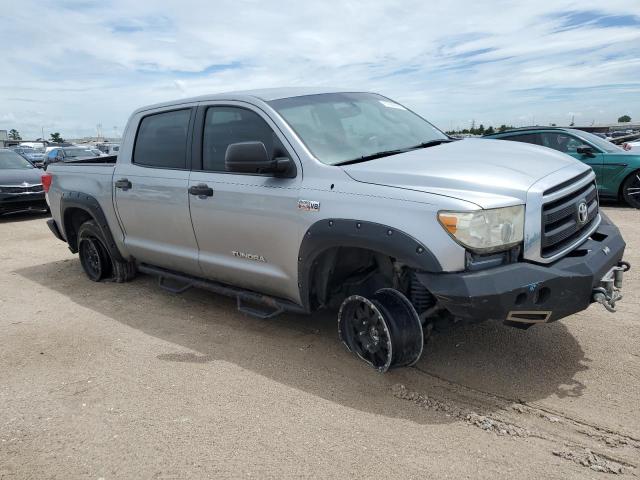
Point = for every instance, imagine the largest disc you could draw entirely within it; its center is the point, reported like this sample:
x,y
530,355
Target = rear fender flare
x,y
88,203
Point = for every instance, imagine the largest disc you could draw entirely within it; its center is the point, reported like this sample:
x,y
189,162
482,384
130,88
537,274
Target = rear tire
x,y
95,258
384,331
631,189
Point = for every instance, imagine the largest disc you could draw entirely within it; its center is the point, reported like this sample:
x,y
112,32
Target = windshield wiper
x,y
432,143
373,156
387,153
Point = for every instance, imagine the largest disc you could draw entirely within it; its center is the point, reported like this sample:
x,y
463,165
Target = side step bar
x,y
249,302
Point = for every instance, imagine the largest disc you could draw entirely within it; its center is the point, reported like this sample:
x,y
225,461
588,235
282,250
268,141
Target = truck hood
x,y
489,173
19,175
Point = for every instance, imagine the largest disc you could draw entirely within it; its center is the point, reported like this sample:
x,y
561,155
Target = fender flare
x,y
90,205
338,232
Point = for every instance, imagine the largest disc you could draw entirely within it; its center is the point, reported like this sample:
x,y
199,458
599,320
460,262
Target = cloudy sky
x,y
68,65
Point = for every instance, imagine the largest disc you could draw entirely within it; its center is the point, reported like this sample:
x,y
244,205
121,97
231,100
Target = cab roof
x,y
265,94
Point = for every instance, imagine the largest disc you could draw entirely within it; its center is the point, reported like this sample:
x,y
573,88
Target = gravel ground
x,y
129,381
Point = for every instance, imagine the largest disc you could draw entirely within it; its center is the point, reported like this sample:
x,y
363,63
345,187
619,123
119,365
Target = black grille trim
x,y
562,185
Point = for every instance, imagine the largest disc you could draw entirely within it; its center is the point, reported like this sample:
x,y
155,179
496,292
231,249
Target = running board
x,y
249,302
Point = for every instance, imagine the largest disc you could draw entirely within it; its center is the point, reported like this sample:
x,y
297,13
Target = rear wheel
x,y
384,331
95,258
631,189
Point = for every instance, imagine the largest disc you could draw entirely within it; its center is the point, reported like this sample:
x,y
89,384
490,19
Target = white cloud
x,y
69,65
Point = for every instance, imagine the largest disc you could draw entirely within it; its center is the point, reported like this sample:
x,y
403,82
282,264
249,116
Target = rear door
x,y
151,191
247,224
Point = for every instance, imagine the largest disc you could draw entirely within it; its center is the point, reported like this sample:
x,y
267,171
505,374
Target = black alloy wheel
x,y
384,331
93,258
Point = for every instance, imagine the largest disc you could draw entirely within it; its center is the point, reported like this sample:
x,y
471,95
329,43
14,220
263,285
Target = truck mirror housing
x,y
252,157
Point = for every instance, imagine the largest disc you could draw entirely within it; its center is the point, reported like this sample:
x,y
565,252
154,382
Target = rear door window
x,y
533,138
162,140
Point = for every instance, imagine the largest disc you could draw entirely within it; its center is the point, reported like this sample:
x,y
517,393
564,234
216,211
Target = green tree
x,y
56,138
624,119
14,134
490,130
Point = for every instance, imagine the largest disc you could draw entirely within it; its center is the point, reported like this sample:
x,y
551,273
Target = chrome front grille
x,y
561,222
21,189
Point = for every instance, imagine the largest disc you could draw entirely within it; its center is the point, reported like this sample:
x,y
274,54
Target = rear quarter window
x,y
161,141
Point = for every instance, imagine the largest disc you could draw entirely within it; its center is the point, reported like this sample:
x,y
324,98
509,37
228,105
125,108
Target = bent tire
x,y
95,258
631,189
384,331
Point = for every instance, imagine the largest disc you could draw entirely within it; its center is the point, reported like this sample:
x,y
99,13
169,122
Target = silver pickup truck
x,y
298,200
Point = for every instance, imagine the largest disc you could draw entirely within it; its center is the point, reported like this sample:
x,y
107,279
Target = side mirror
x,y
252,157
585,150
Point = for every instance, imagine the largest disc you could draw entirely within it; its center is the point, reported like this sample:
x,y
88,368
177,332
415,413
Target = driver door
x,y
246,225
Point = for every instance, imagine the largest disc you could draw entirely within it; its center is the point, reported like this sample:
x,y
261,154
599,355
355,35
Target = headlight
x,y
485,231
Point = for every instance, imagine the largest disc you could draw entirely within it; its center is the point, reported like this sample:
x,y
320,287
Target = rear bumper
x,y
525,293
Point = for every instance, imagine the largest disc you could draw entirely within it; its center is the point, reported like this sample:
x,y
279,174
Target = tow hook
x,y
608,292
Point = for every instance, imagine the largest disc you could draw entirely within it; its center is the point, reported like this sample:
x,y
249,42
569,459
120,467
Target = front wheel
x,y
631,189
384,331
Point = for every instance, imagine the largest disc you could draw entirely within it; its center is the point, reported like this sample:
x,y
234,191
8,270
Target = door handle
x,y
123,183
202,190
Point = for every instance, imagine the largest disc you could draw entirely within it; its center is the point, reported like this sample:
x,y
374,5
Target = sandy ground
x,y
129,381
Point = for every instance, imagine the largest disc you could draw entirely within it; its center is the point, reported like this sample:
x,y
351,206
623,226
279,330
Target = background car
x,y
617,171
20,184
34,155
59,154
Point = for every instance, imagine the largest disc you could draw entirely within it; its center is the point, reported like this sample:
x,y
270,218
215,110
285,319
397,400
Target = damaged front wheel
x,y
384,331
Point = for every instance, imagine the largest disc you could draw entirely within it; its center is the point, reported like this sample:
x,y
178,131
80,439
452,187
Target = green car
x,y
617,171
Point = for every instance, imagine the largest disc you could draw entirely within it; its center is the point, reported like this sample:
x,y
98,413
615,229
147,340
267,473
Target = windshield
x,y
339,127
601,143
77,152
11,160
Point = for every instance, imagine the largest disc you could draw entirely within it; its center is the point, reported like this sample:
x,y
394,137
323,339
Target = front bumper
x,y
522,294
10,203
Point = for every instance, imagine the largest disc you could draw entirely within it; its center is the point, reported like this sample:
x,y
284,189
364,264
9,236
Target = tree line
x,y
480,130
53,137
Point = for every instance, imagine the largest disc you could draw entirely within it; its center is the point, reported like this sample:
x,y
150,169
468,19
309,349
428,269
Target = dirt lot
x,y
129,381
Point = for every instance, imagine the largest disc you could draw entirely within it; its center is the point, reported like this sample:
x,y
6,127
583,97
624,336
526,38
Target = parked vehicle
x,y
108,148
20,184
617,170
299,200
66,153
98,153
35,156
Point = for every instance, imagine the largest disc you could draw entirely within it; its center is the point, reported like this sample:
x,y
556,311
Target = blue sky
x,y
69,65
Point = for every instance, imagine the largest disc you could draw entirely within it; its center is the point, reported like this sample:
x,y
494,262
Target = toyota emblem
x,y
583,212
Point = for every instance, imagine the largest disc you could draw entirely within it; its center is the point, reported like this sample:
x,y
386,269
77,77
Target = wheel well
x,y
342,271
73,218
